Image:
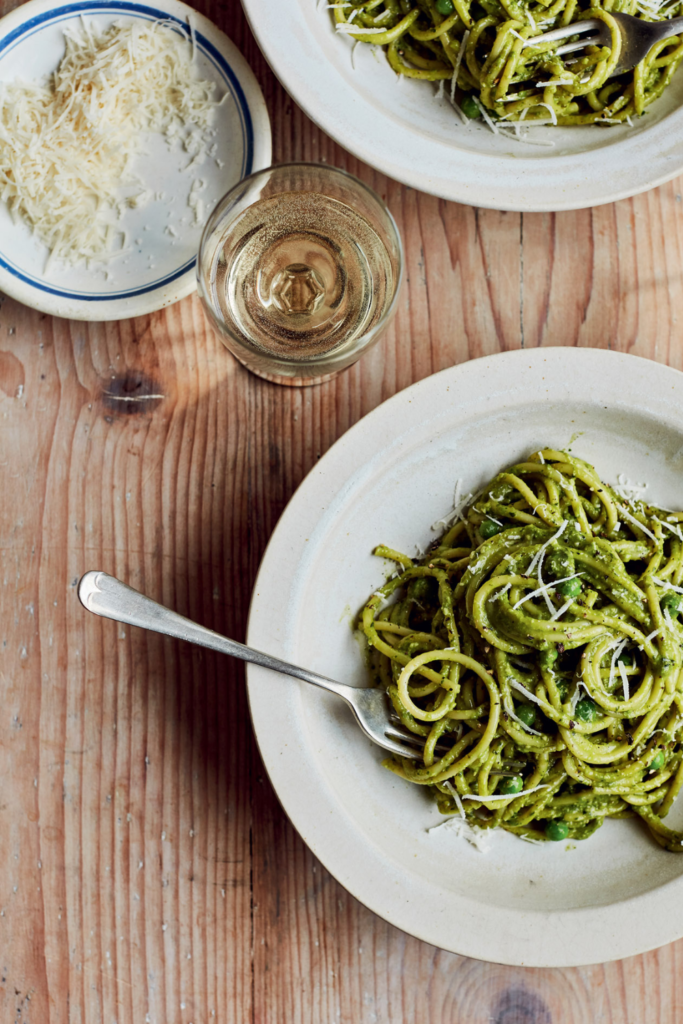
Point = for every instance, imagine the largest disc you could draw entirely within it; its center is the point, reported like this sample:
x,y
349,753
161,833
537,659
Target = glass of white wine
x,y
299,270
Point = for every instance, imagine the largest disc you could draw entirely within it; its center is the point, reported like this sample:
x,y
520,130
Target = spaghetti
x,y
479,47
536,655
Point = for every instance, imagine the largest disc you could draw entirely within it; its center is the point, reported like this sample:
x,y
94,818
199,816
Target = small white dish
x,y
164,235
385,481
399,128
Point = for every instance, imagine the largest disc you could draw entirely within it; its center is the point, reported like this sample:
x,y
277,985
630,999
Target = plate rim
x,y
265,629
341,116
181,282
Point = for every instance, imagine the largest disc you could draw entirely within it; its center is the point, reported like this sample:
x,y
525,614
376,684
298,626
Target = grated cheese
x,y
618,648
66,147
479,838
636,522
456,796
544,589
195,202
560,611
667,585
484,114
505,796
674,529
509,710
459,504
545,546
527,693
553,116
347,30
577,693
629,489
624,680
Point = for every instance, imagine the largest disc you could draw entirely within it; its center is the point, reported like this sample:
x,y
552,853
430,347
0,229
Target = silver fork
x,y
106,596
637,37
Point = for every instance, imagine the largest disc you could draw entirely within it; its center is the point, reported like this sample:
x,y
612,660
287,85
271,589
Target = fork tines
x,y
565,31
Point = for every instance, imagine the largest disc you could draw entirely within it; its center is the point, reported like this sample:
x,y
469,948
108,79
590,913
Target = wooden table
x,y
147,872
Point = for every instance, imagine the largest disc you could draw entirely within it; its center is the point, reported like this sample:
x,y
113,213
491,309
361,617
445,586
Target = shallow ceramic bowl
x,y
386,481
399,128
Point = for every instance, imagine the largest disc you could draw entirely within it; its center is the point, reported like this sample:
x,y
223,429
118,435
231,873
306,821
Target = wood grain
x,y
147,873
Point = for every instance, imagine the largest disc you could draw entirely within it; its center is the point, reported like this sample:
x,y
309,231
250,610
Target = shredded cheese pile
x,y
66,147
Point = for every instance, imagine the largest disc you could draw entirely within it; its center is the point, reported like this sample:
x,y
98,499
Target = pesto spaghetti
x,y
536,654
479,47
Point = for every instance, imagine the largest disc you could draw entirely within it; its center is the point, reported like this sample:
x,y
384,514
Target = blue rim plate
x,y
164,235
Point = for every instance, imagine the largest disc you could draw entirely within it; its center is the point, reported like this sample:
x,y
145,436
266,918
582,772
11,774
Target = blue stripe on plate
x,y
140,11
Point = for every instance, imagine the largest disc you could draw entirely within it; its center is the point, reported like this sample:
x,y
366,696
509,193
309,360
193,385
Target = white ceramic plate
x,y
163,234
399,128
386,481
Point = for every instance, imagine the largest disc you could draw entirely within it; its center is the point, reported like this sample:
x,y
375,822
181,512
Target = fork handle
x,y
106,596
674,27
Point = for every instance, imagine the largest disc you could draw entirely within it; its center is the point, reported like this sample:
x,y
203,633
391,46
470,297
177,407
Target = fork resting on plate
x,y
637,37
106,596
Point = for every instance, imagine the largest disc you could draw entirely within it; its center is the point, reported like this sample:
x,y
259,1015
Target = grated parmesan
x,y
624,680
66,146
504,796
560,611
459,504
479,838
539,554
544,589
666,585
636,522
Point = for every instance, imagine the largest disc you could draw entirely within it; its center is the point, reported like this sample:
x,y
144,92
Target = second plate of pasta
x,y
599,880
407,127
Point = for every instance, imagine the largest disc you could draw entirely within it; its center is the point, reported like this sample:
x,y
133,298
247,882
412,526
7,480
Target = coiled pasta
x,y
536,654
479,47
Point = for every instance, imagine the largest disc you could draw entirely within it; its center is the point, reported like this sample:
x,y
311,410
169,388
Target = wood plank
x,y
147,872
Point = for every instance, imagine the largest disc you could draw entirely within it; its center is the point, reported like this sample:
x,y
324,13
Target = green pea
x,y
657,761
513,784
444,7
526,713
587,710
470,109
488,528
671,602
557,831
569,588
